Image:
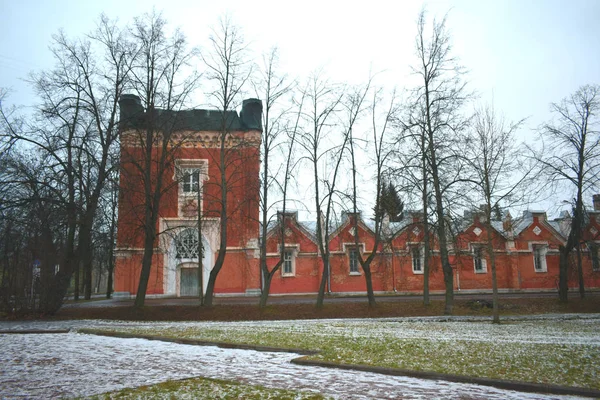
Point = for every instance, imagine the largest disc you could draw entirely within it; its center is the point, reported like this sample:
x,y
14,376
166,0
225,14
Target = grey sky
x,y
525,54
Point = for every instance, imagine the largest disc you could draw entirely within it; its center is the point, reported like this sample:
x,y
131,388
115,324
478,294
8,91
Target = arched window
x,y
186,244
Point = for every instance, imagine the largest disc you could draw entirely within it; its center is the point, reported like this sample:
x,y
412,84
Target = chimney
x,y
287,216
596,199
385,225
251,114
131,110
564,222
507,224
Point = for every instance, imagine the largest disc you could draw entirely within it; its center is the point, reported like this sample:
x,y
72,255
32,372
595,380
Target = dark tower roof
x,y
250,117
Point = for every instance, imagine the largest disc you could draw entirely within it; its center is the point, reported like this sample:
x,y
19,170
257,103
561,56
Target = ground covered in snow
x,y
547,350
206,389
73,364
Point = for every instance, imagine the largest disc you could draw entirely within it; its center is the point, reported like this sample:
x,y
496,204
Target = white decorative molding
x,y
347,246
194,139
169,229
477,231
537,230
416,231
593,230
188,202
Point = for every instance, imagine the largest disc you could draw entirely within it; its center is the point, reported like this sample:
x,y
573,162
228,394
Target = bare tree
x,y
570,162
272,88
160,78
76,129
437,103
228,70
354,107
112,200
412,170
323,101
495,162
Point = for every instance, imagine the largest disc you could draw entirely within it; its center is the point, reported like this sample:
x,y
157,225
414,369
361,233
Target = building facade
x,y
189,164
525,248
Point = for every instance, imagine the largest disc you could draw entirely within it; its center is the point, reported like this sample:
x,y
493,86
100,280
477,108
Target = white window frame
x,y
293,250
190,177
192,167
347,248
479,256
417,261
543,251
292,262
355,251
183,166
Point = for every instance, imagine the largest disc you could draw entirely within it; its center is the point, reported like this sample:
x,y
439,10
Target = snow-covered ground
x,y
73,364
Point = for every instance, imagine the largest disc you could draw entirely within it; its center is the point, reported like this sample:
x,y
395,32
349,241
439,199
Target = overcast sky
x,y
525,54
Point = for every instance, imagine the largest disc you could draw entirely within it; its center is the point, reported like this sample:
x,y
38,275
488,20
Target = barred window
x,y
190,180
186,244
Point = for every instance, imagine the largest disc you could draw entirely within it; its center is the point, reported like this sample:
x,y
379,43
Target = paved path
x,y
69,365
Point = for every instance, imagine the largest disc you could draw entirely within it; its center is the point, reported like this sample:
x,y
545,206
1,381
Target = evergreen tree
x,y
389,203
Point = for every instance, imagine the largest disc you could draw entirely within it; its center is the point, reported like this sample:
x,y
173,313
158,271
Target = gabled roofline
x,y
341,226
543,221
293,215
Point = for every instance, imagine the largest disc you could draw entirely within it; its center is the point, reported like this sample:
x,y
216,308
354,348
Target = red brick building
x,y
192,166
525,248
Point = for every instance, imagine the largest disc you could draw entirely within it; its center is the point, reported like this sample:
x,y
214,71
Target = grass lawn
x,y
205,388
556,351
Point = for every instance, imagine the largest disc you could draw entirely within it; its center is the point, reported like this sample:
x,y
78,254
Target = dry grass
x,y
405,308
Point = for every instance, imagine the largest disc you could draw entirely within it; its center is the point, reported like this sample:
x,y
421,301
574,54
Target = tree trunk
x,y
425,227
490,250
210,288
200,244
322,285
85,258
264,296
441,223
370,294
109,278
111,258
140,297
563,283
76,282
580,274
264,270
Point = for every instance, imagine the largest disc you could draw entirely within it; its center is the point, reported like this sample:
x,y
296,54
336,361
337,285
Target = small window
x,y
417,254
539,257
288,263
354,262
479,260
190,180
593,247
